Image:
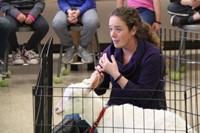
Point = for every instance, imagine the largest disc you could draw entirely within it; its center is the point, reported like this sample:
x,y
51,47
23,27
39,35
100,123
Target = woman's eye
x,y
118,30
115,30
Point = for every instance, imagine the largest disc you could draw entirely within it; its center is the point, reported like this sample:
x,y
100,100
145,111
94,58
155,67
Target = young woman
x,y
133,63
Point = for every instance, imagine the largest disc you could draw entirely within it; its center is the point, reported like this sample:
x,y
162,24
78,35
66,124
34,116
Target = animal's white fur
x,y
118,119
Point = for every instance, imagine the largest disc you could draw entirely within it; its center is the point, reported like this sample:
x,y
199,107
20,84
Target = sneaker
x,y
30,56
85,55
175,21
2,72
68,55
183,14
17,58
178,20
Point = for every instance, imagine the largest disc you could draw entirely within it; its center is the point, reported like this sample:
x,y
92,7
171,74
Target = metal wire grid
x,y
181,102
182,96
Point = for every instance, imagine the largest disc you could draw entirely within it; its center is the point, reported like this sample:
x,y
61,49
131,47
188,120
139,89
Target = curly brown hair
x,y
132,18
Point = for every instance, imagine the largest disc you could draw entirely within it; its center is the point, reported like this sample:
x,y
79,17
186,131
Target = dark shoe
x,y
69,54
174,21
2,72
178,20
183,14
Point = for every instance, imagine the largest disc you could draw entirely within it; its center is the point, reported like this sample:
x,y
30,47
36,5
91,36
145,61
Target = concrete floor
x,y
16,100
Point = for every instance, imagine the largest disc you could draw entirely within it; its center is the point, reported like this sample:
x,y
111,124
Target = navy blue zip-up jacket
x,y
145,72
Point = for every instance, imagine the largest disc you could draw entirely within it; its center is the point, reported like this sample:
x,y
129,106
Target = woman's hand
x,y
99,75
155,27
109,67
28,20
21,17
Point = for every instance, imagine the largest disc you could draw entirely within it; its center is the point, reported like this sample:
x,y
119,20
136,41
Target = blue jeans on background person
x,y
5,28
182,14
175,8
90,23
147,15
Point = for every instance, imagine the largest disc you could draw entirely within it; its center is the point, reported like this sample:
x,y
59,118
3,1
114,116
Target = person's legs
x,y
60,25
41,27
13,37
16,53
182,15
175,8
90,24
147,15
5,28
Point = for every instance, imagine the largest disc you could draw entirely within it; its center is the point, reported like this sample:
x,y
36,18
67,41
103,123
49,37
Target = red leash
x,y
97,121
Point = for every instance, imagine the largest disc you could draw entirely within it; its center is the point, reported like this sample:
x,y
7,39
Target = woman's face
x,y
119,32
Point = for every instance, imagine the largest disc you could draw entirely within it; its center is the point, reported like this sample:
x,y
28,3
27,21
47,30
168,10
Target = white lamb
x,y
78,98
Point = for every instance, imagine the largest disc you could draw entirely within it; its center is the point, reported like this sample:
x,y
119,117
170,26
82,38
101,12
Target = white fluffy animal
x,y
78,98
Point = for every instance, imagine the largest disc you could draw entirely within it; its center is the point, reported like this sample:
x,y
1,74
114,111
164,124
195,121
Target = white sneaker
x,y
17,58
30,57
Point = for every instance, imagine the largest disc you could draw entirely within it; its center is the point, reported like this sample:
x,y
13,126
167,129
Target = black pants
x,y
175,8
40,26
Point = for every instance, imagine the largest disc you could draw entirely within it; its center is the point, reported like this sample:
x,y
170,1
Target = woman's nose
x,y
112,33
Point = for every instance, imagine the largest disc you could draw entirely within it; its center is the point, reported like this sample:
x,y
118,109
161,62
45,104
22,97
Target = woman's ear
x,y
133,30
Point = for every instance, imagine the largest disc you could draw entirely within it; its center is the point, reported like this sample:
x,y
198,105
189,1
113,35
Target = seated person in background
x,y
5,28
133,63
149,10
184,12
76,12
25,12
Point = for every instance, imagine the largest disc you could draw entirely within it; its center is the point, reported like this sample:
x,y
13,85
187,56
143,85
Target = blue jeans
x,y
5,28
90,23
40,26
176,8
147,15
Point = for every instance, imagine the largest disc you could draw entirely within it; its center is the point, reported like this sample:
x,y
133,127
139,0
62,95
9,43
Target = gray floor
x,y
16,101
16,113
